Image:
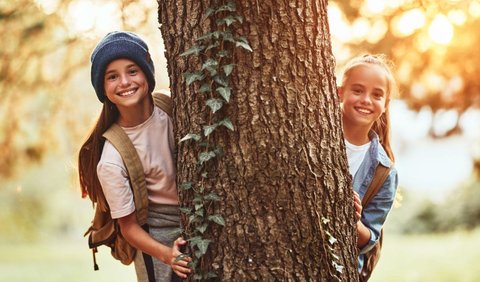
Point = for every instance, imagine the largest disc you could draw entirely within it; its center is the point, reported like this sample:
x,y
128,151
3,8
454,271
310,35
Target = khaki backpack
x,y
104,230
372,256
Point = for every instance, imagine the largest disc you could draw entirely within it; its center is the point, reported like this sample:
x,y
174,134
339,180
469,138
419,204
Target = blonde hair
x,y
382,124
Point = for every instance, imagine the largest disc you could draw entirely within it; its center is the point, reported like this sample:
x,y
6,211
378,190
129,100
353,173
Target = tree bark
x,y
284,183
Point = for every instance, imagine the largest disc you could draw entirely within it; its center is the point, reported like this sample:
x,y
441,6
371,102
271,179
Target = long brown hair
x,y
382,124
90,153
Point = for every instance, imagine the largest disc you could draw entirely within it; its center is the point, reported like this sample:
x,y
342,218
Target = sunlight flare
x,y
441,30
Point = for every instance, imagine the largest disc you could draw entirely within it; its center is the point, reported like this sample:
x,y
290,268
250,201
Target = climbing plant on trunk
x,y
261,165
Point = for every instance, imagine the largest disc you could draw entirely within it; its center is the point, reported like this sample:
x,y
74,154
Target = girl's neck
x,y
356,135
133,116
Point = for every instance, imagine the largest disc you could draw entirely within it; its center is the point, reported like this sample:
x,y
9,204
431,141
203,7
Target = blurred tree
x,y
282,178
433,44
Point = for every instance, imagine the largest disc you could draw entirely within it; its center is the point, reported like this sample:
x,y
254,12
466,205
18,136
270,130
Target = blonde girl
x,y
365,92
122,74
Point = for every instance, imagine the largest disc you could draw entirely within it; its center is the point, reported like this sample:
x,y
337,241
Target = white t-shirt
x,y
154,143
355,156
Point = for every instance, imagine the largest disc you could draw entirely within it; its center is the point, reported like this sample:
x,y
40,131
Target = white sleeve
x,y
113,177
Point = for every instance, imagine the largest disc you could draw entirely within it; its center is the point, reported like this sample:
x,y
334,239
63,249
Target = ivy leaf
x,y
203,246
205,88
227,36
209,275
186,210
175,232
197,276
196,49
205,36
209,63
202,228
212,197
227,20
218,219
189,136
223,53
225,92
181,257
227,123
243,42
216,44
200,212
186,186
227,69
207,129
230,6
209,11
193,76
220,80
214,104
205,156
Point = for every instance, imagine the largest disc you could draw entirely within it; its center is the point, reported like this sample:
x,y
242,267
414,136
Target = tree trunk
x,y
283,178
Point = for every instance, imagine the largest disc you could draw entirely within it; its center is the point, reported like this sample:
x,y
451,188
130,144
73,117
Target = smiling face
x,y
125,84
364,95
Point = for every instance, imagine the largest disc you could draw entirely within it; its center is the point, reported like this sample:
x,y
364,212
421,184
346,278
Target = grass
x,y
446,257
433,257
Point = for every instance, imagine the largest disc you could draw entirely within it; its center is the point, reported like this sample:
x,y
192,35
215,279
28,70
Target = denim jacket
x,y
375,213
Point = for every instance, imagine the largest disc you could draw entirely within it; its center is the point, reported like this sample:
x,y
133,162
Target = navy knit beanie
x,y
120,45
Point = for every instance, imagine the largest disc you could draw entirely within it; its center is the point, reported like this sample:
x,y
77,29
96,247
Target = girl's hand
x,y
180,261
358,206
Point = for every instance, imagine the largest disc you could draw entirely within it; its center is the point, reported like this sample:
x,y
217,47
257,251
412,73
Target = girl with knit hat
x,y
122,74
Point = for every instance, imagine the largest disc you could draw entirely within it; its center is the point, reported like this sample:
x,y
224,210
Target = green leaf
x,y
209,63
242,42
208,129
209,12
202,228
204,174
227,20
197,276
218,219
220,79
203,246
205,88
228,36
189,136
218,151
225,92
193,76
200,212
227,123
212,197
223,54
209,275
186,185
186,210
230,6
175,232
181,257
214,45
206,36
213,71
214,104
196,49
227,69
205,156
194,240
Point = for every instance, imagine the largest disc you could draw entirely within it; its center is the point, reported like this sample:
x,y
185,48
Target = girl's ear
x,y
340,92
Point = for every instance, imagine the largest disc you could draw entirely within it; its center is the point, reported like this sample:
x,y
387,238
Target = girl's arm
x,y
141,240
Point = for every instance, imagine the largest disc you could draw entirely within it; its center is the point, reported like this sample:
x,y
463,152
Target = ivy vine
x,y
212,84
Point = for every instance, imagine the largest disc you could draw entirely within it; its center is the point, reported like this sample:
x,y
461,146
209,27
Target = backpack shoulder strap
x,y
124,146
164,102
381,174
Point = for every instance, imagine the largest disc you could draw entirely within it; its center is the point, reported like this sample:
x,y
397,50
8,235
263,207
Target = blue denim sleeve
x,y
375,213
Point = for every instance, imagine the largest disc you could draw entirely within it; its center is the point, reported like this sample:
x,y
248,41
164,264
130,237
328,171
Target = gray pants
x,y
162,220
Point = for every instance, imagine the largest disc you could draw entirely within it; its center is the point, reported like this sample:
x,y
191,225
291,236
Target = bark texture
x,y
283,178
